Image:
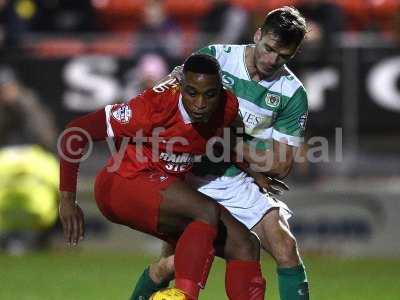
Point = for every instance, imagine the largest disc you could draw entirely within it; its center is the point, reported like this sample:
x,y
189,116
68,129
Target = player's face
x,y
200,95
269,54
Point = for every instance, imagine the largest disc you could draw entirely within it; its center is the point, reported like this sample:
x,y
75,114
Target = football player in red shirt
x,y
167,127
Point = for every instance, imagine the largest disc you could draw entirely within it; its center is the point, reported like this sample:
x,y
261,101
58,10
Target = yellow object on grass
x,y
169,294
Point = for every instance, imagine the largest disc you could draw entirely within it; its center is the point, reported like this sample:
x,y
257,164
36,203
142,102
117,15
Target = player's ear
x,y
257,35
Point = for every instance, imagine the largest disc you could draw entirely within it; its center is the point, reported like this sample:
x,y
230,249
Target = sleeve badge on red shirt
x,y
122,113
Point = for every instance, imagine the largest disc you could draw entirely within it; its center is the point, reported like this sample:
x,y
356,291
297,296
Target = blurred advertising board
x,y
356,85
346,223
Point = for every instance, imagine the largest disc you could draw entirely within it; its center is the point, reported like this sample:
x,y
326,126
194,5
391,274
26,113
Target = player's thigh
x,y
242,197
181,204
133,202
273,230
234,240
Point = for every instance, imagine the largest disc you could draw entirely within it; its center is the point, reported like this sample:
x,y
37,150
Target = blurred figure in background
x,y
384,15
225,22
28,171
149,69
325,19
158,26
64,16
396,28
23,120
16,19
19,17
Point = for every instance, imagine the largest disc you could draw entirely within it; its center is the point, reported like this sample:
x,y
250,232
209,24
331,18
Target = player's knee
x,y
286,253
167,268
254,247
247,248
170,264
164,269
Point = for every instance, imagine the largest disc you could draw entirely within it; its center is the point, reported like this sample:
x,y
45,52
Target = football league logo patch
x,y
122,113
303,121
272,100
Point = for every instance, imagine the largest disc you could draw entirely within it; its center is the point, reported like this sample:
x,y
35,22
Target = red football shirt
x,y
159,131
161,134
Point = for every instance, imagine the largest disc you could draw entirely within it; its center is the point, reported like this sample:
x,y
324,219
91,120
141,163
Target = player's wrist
x,y
68,197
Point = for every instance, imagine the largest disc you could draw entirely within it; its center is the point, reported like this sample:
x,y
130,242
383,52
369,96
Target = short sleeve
x,y
126,119
290,123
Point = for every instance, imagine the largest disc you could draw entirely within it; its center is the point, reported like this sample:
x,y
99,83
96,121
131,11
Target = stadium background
x,y
78,57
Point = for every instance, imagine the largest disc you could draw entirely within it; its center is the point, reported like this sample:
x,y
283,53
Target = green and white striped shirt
x,y
273,109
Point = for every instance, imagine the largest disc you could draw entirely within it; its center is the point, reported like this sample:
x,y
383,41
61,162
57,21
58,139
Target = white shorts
x,y
240,195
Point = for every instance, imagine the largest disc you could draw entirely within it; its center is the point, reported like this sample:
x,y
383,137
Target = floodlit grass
x,y
75,275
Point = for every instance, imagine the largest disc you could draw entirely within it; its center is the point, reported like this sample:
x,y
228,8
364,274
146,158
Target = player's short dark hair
x,y
287,23
202,63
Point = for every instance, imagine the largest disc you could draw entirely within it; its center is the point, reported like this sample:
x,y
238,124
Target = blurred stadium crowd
x,y
231,21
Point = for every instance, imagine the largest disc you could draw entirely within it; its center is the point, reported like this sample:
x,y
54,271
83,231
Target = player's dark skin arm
x,y
72,218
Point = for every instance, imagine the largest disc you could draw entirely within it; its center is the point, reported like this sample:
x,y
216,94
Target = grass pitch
x,y
76,275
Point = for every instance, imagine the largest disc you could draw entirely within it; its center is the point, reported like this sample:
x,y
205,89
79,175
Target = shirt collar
x,y
184,113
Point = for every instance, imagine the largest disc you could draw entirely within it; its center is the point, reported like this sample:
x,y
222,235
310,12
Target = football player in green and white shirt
x,y
273,107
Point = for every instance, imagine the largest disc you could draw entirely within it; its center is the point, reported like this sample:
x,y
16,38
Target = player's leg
x,y
157,276
163,270
234,243
167,209
247,204
243,277
238,244
276,238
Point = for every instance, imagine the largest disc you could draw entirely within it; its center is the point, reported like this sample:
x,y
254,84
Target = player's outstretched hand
x,y
270,185
177,72
72,218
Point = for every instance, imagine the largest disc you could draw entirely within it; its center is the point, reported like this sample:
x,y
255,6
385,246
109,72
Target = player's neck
x,y
251,67
249,61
